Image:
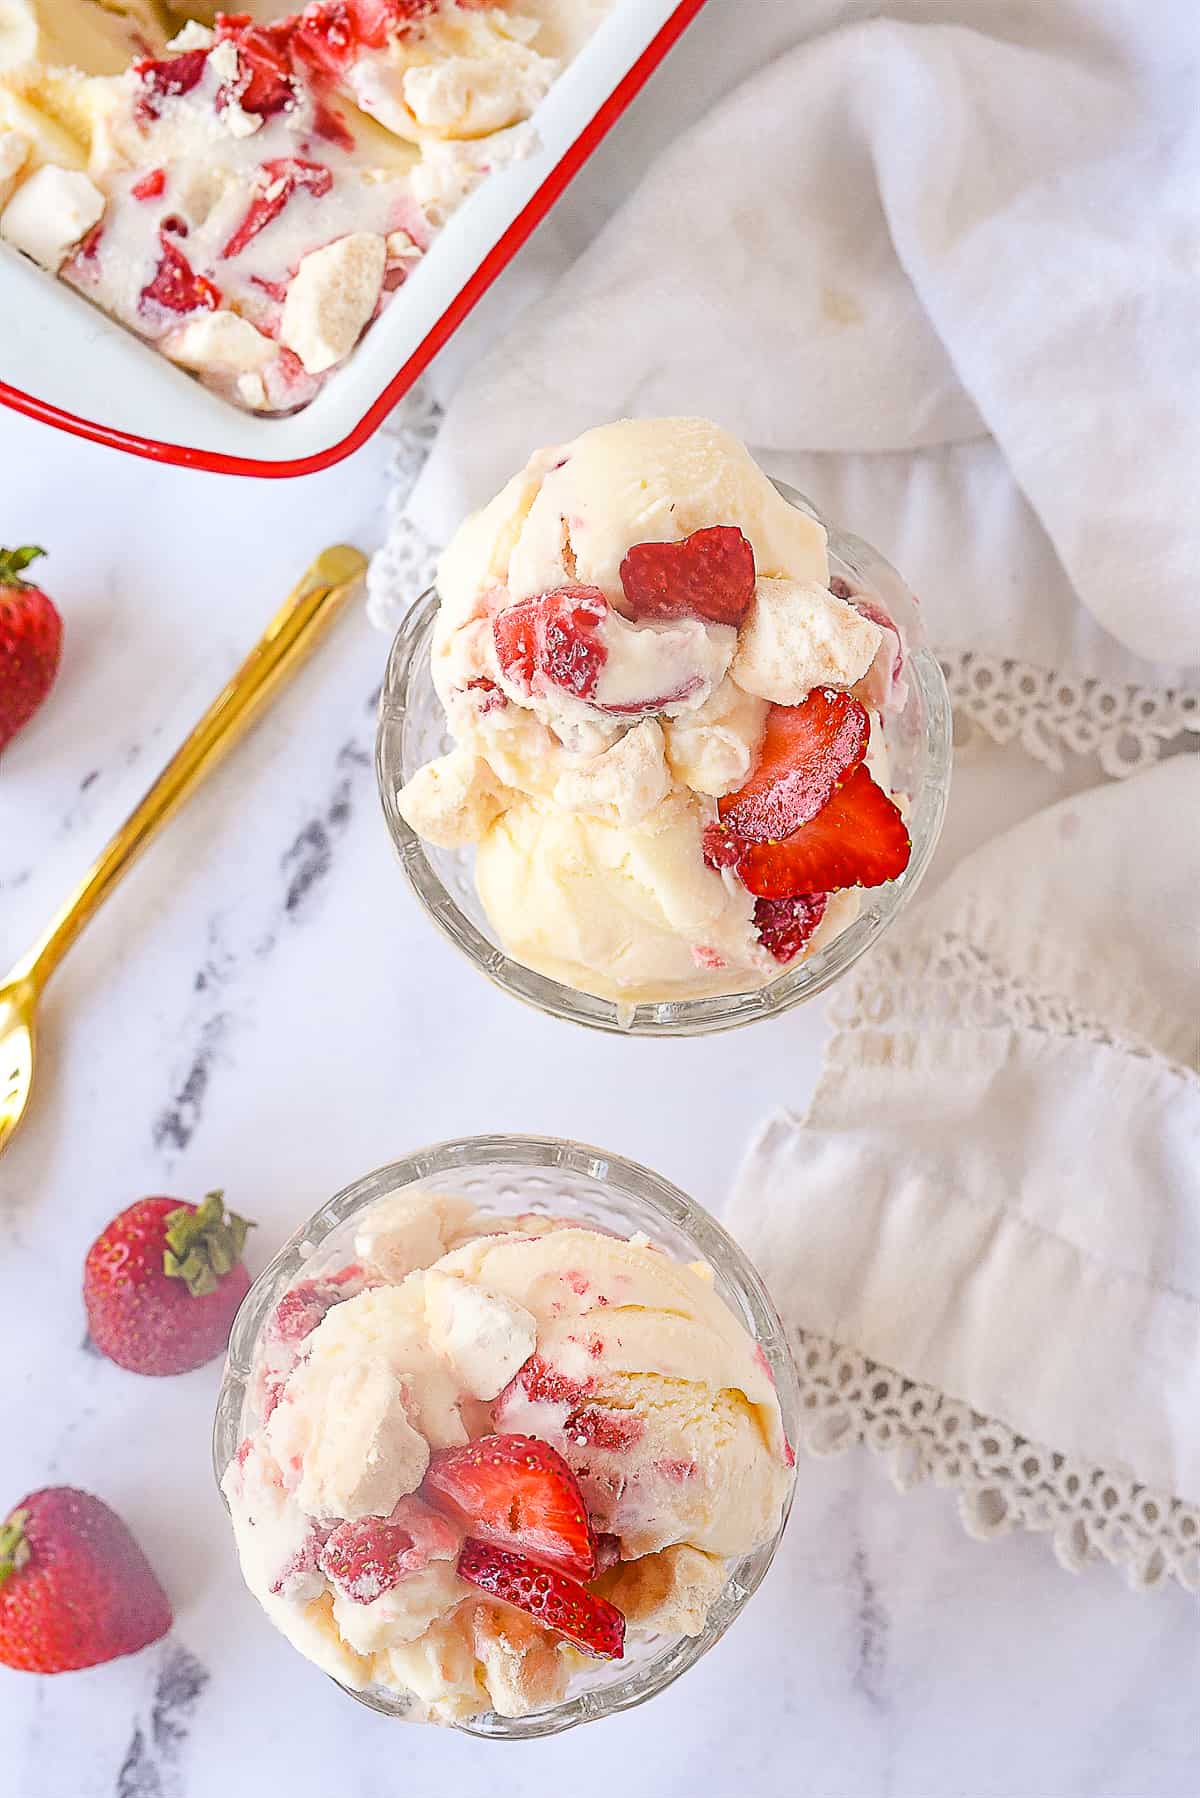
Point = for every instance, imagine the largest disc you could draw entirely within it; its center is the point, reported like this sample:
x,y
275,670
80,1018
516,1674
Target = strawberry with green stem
x,y
30,641
75,1588
163,1281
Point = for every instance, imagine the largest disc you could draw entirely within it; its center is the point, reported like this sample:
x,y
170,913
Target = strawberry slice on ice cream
x,y
806,751
175,286
264,83
368,1556
516,1492
555,635
163,78
277,181
858,838
785,925
553,1599
709,575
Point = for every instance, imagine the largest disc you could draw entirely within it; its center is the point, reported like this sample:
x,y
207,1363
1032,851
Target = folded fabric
x,y
992,1204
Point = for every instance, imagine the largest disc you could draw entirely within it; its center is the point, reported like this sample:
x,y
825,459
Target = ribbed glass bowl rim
x,y
675,1017
626,1178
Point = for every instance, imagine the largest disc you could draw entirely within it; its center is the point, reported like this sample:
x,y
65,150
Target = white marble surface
x,y
262,1007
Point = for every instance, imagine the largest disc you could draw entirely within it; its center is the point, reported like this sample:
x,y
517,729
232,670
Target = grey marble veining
x,y
263,1007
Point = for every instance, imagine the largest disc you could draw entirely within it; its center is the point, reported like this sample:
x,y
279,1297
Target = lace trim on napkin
x,y
1049,714
1004,1482
955,984
404,566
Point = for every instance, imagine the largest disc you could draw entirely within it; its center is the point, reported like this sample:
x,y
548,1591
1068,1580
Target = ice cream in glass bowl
x,y
664,752
504,1435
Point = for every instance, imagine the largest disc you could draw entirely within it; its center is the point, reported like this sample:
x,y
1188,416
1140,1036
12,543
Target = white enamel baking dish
x,y
67,364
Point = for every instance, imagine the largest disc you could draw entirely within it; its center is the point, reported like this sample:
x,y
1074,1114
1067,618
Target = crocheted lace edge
x,y
1050,714
1003,1481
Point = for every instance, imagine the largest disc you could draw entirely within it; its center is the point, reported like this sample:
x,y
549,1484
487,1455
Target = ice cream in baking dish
x,y
670,726
488,1448
246,195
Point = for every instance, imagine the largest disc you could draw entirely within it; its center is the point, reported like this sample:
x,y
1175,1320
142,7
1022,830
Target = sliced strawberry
x,y
376,20
264,84
277,181
367,1557
325,38
858,838
720,847
551,1598
329,35
175,286
556,636
299,1312
518,1492
150,186
515,633
785,925
709,575
162,78
806,751
304,1305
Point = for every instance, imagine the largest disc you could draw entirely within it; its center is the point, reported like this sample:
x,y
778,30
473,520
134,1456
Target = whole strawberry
x,y
162,1283
30,642
75,1588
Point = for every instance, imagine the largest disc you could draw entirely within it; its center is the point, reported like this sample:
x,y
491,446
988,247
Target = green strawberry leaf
x,y
204,1245
13,563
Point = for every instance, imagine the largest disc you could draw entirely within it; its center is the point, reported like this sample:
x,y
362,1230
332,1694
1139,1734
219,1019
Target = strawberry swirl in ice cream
x,y
491,1452
669,721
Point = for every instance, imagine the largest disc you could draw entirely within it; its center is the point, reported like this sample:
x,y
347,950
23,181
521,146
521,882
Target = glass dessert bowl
x,y
532,804
675,1415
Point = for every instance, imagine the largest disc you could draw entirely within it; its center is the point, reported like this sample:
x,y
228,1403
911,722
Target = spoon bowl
x,y
18,1011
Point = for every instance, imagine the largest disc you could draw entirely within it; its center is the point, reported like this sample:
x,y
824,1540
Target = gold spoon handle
x,y
295,629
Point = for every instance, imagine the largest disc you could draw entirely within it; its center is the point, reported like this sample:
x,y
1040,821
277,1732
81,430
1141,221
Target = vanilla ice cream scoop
x,y
662,706
495,1448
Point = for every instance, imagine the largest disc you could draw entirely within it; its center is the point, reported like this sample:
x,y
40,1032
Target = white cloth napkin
x,y
992,1204
940,270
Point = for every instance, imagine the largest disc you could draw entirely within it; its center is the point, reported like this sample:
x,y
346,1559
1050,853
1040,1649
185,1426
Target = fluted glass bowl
x,y
412,731
505,1175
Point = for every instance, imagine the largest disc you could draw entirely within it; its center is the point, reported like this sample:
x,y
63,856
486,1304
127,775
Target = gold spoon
x,y
298,625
